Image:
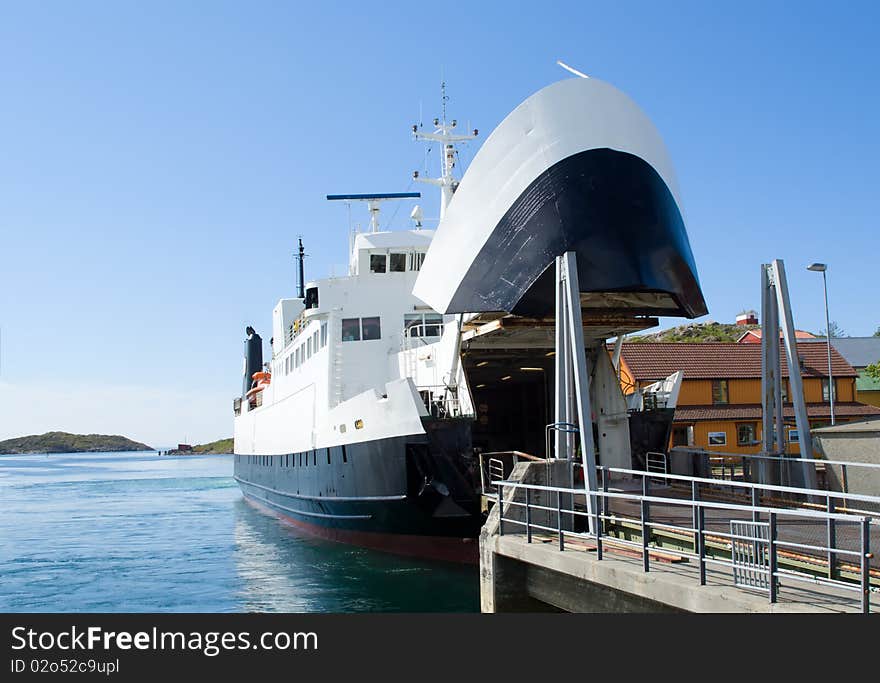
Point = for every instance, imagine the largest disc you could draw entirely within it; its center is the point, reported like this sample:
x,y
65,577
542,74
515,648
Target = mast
x,y
300,272
443,133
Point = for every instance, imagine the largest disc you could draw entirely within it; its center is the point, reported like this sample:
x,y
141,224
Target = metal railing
x,y
694,527
493,466
728,462
564,428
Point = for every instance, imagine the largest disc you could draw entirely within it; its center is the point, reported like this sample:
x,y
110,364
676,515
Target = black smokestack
x,y
253,358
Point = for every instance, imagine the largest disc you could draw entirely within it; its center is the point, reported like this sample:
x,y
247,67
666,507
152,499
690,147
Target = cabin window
x,y
423,324
315,340
351,329
311,298
377,263
717,438
412,324
323,335
397,263
433,325
746,434
719,392
371,329
309,347
825,393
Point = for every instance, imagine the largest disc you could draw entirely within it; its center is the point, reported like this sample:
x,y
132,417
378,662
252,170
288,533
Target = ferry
x,y
379,390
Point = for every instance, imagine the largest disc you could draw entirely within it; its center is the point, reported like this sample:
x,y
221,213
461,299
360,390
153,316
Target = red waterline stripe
x,y
462,550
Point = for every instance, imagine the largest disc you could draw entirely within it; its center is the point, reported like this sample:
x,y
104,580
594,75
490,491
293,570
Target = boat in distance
x,y
383,387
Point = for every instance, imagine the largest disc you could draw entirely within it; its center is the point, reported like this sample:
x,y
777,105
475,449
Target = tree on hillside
x,y
836,331
877,332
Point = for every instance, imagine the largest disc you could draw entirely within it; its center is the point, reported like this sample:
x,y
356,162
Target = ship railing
x,y
757,546
440,401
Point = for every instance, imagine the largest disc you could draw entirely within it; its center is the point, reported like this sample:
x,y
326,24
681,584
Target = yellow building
x,y
719,406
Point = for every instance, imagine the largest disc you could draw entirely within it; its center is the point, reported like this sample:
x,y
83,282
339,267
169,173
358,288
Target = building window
x,y
351,329
793,436
323,335
719,392
717,438
397,263
315,340
746,434
377,263
784,386
371,329
309,347
825,385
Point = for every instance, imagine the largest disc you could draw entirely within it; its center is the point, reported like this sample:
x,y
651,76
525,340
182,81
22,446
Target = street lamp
x,y
823,268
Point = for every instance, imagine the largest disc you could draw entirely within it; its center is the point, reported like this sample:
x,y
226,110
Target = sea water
x,y
135,532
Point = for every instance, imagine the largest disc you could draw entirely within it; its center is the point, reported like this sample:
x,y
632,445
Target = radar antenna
x,y
443,133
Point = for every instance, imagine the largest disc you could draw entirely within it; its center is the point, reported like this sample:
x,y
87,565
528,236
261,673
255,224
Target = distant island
x,y
64,442
219,447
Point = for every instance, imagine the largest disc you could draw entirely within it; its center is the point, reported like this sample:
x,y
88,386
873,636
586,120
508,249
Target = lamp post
x,y
822,268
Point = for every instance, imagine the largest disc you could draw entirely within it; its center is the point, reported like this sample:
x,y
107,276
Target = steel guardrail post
x,y
831,536
701,523
646,562
772,543
500,510
559,519
844,477
694,514
866,565
528,516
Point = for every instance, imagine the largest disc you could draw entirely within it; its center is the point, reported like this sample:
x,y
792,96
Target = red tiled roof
x,y
723,360
798,334
753,412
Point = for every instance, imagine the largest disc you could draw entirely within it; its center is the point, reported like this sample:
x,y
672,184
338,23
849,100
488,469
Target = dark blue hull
x,y
412,495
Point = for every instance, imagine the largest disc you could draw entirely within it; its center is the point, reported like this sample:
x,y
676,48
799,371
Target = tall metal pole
x,y
581,381
831,391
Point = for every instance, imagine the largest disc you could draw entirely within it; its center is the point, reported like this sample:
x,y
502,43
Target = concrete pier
x,y
517,575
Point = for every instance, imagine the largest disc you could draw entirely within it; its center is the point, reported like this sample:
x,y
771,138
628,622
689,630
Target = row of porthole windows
x,y
303,459
298,356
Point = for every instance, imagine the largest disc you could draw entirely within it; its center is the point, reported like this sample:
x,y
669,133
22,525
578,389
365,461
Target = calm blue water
x,y
115,532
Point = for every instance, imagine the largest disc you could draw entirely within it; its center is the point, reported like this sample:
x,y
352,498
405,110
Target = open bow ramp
x,y
577,167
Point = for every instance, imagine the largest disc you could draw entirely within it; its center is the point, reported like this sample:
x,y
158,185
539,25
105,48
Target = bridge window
x,y
351,329
371,328
377,263
397,263
416,259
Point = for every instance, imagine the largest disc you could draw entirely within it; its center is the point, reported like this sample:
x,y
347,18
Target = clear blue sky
x,y
158,160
